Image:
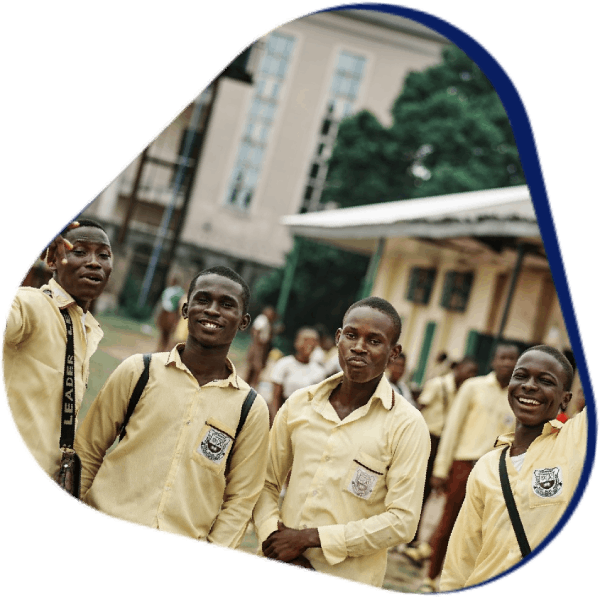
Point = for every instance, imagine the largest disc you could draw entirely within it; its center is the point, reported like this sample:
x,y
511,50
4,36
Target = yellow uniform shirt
x,y
359,481
436,398
483,543
34,365
479,414
168,472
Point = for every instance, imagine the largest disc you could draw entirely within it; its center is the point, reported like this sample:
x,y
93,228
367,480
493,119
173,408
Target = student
x,y
395,372
543,463
479,414
295,371
171,471
359,453
169,313
435,401
35,342
258,351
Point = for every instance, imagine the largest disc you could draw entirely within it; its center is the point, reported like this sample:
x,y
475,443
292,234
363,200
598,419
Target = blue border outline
x,y
531,167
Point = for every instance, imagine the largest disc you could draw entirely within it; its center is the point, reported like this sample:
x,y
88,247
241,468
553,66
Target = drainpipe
x,y
369,279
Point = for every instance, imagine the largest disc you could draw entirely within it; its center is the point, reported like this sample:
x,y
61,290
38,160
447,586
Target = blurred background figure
x,y
262,336
435,401
295,371
169,313
441,366
395,372
325,353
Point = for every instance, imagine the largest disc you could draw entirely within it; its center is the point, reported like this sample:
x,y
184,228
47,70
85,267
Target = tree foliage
x,y
450,133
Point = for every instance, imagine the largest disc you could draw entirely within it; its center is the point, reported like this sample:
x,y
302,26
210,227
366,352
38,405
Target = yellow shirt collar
x,y
549,428
383,391
233,380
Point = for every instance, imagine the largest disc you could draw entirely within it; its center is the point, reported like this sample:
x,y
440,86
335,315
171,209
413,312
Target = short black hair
x,y
226,272
507,345
558,356
468,360
83,223
383,306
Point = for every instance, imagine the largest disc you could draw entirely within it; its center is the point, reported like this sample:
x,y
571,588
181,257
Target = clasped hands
x,y
288,545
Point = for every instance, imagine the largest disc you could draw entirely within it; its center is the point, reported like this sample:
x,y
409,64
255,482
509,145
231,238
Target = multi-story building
x,y
263,132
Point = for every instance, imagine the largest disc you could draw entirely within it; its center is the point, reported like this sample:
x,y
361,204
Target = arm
x,y
466,539
245,479
101,425
276,401
451,433
279,462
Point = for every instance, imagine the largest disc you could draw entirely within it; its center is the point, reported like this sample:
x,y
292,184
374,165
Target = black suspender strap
x,y
248,402
512,507
67,420
137,392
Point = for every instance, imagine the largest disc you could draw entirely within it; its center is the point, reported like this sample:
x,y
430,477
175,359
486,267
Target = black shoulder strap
x,y
67,415
137,392
512,506
248,402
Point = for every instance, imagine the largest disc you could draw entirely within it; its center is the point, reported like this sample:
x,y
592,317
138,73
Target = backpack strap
x,y
512,507
136,394
248,402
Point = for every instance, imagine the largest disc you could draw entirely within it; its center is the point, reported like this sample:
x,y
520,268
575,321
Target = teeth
x,y
212,326
528,401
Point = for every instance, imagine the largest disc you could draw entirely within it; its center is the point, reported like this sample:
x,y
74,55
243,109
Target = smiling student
x,y
187,463
359,454
543,460
35,341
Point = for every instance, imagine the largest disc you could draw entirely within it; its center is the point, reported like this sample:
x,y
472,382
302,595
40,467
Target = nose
x,y
359,346
212,308
529,383
93,260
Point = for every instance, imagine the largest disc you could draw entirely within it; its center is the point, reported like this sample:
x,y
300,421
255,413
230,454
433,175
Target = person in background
x,y
479,414
435,401
325,354
295,371
441,366
169,313
260,345
395,372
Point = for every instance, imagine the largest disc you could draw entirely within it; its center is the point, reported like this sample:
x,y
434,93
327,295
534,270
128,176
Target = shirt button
x,y
187,422
315,493
304,526
327,458
168,489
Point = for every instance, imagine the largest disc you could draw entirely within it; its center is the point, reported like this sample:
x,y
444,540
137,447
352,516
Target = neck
x,y
524,437
301,358
503,382
356,394
205,363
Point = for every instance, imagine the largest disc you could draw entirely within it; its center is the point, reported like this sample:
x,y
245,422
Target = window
x,y
457,287
420,284
343,92
269,79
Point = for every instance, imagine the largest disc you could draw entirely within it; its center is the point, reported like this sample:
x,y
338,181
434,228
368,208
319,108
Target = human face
x,y
504,362
215,310
88,267
464,372
365,344
397,368
536,389
305,343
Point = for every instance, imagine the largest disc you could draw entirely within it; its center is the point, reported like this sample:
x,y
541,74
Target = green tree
x,y
450,133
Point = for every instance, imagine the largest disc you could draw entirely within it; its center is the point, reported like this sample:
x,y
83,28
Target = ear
x,y
566,399
184,310
394,353
245,322
337,335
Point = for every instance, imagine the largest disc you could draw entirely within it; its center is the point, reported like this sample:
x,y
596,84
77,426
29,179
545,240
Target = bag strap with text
x,y
67,420
512,506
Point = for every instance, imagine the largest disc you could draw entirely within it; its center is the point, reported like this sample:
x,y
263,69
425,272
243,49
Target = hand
x,y
287,544
57,249
437,484
302,562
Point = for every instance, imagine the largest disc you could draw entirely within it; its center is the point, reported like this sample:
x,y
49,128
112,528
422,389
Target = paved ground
x,y
126,337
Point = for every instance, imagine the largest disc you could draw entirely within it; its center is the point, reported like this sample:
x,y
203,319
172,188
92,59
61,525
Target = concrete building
x,y
263,134
463,270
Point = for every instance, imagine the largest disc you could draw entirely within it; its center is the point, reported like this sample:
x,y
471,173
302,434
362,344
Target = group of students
x,y
197,458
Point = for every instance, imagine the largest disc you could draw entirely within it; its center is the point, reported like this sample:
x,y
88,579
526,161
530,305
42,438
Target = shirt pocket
x,y
546,485
365,477
213,446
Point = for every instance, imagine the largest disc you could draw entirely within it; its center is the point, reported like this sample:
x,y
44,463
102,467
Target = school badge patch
x,y
362,483
214,445
547,482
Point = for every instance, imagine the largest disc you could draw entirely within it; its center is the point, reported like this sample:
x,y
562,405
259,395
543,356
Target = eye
x,y
105,255
79,252
375,342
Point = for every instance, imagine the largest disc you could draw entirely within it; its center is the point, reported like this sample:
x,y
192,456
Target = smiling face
x,y
88,266
366,344
215,310
537,389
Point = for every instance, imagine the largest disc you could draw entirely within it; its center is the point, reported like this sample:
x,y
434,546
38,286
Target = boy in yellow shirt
x,y
544,459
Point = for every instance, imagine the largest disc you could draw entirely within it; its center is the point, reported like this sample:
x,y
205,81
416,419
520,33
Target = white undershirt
x,y
518,461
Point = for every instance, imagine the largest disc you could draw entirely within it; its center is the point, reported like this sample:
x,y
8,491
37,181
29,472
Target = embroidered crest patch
x,y
362,483
547,482
214,445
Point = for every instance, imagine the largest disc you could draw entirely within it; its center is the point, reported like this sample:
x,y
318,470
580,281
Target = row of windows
x,y
455,292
